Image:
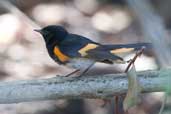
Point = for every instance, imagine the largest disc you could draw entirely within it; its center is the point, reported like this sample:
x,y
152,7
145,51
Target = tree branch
x,y
103,86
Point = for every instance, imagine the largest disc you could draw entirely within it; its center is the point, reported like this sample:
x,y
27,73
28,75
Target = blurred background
x,y
23,54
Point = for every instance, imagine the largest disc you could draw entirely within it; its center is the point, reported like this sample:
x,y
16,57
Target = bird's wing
x,y
101,55
76,46
111,53
79,46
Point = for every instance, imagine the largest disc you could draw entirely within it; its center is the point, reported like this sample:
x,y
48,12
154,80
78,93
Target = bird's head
x,y
53,34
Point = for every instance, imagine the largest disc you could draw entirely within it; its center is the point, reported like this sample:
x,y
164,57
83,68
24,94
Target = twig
x,y
116,105
16,11
135,57
102,86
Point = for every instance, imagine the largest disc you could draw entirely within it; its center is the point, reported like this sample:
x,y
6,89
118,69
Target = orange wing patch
x,y
83,50
121,50
60,55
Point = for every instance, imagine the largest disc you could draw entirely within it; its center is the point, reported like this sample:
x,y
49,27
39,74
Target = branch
x,y
16,11
103,86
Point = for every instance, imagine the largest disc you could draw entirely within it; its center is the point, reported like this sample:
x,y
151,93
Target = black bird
x,y
80,52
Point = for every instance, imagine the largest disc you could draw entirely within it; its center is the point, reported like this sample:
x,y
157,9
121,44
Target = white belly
x,y
80,63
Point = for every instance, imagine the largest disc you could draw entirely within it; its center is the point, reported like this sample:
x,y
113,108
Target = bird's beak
x,y
37,30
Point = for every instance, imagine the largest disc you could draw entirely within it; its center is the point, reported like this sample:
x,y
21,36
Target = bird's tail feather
x,y
126,48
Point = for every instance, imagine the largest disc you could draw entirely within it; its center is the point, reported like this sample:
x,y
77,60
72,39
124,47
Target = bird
x,y
81,53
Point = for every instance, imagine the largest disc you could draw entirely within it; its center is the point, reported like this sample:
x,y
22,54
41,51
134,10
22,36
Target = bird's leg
x,y
75,71
135,57
86,70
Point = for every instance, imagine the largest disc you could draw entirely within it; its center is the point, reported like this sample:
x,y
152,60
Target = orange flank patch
x,y
121,50
88,47
60,55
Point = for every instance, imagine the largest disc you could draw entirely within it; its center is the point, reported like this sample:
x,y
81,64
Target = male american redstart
x,y
80,52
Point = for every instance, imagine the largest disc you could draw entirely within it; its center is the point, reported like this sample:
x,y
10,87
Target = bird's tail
x,y
126,48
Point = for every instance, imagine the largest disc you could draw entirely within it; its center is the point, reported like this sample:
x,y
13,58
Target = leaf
x,y
134,89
